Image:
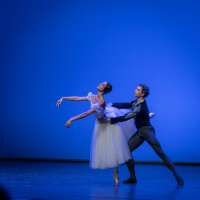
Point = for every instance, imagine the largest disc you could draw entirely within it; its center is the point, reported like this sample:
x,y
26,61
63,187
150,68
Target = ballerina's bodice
x,y
94,104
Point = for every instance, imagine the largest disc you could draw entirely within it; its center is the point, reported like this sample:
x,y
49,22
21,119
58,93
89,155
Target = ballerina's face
x,y
101,87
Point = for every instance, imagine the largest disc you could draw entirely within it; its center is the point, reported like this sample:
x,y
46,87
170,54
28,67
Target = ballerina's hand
x,y
59,102
68,123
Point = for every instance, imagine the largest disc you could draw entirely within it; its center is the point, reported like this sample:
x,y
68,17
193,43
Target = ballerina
x,y
109,147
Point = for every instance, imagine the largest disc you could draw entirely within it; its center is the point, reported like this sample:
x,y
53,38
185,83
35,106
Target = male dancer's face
x,y
139,92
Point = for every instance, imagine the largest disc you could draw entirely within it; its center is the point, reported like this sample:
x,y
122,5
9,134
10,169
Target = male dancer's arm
x,y
127,116
122,105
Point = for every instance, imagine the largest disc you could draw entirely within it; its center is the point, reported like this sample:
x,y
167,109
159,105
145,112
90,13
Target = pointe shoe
x,y
116,179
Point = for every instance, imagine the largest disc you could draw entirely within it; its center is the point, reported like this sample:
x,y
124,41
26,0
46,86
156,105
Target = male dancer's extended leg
x,y
134,142
150,137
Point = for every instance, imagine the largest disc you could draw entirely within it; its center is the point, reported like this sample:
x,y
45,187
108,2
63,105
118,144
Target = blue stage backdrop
x,y
55,48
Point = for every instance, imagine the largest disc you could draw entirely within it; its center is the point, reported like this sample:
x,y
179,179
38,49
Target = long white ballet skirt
x,y
109,146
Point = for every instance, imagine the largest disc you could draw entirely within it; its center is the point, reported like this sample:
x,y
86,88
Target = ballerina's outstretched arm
x,y
72,98
80,116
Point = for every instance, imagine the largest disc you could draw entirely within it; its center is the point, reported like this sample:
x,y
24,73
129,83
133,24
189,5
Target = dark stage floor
x,y
72,181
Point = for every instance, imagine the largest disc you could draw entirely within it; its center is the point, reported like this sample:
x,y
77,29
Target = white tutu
x,y
109,146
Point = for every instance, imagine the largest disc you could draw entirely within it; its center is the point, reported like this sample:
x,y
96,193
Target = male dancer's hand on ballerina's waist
x,y
104,120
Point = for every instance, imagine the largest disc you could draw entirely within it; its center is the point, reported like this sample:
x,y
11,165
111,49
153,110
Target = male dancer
x,y
145,132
